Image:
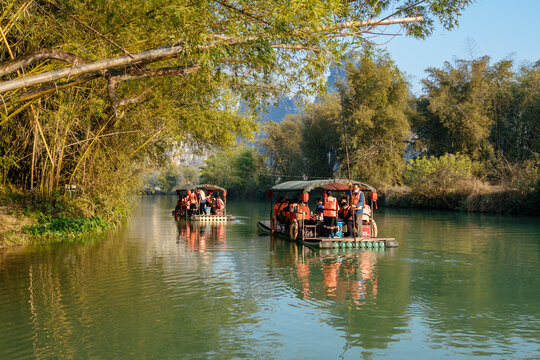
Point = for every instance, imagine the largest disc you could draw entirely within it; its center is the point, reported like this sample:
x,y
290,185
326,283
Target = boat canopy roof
x,y
330,184
209,187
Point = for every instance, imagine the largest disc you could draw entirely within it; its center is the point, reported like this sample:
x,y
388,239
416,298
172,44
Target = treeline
x,y
471,141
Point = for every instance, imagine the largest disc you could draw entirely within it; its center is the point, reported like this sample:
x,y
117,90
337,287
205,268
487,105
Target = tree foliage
x,y
375,100
480,109
241,171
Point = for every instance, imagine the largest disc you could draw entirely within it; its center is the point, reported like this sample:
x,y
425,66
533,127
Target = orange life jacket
x,y
330,207
282,207
291,211
302,212
276,208
220,204
355,198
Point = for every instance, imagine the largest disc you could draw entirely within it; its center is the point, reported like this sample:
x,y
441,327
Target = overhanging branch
x,y
154,55
21,63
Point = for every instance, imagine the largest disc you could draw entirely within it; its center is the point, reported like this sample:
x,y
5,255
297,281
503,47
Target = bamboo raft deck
x,y
212,218
329,243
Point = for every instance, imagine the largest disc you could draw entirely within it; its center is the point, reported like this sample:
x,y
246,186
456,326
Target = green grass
x,y
65,227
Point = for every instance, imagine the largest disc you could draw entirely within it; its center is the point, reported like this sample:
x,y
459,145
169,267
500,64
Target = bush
x,y
65,227
434,177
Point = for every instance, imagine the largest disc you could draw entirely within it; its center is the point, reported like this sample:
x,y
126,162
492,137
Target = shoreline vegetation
x,y
29,219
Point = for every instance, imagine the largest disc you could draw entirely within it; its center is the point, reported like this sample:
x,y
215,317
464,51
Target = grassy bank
x,y
26,218
474,198
455,182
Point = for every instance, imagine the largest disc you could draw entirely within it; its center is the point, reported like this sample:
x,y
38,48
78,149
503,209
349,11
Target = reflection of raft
x,y
211,218
326,243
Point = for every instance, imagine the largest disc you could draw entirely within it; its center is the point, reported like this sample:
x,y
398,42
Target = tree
x,y
282,146
375,99
241,171
479,109
322,137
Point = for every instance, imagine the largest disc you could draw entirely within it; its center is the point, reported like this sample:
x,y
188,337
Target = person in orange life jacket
x,y
300,211
346,214
357,201
303,212
185,205
291,210
220,206
330,214
281,210
277,205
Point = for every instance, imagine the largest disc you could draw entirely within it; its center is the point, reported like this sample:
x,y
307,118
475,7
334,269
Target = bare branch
x,y
40,92
21,63
117,76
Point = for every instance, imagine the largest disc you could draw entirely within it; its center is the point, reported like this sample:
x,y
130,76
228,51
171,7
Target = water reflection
x,y
351,275
459,286
359,295
197,236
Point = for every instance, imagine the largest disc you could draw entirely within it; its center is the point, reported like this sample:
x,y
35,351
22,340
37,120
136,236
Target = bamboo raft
x,y
330,243
212,218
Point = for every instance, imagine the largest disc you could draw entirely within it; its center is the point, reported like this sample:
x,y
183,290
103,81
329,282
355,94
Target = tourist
x,y
319,209
330,211
346,214
220,206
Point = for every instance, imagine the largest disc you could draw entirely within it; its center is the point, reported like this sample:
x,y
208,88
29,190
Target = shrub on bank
x,y
450,182
63,227
431,177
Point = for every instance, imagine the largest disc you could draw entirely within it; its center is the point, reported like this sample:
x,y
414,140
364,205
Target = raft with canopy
x,y
199,215
305,227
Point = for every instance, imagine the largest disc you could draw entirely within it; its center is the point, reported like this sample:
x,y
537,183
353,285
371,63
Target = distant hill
x,y
278,110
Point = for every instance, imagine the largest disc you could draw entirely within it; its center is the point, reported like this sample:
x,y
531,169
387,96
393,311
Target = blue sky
x,y
498,28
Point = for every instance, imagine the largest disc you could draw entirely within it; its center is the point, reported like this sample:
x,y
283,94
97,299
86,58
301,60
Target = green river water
x,y
459,286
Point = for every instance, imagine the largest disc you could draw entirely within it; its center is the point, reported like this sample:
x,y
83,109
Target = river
x,y
459,286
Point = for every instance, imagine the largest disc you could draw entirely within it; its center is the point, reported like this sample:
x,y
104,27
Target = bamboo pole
x,y
88,148
348,166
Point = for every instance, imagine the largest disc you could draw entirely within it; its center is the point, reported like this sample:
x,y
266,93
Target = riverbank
x,y
478,197
25,218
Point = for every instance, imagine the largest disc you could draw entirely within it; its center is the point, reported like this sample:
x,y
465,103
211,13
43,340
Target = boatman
x,y
330,211
357,201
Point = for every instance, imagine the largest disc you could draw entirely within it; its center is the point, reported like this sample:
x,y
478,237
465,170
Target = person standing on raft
x,y
357,201
330,211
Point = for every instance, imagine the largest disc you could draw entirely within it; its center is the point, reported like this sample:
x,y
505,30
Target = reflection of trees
x,y
476,277
369,297
123,297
